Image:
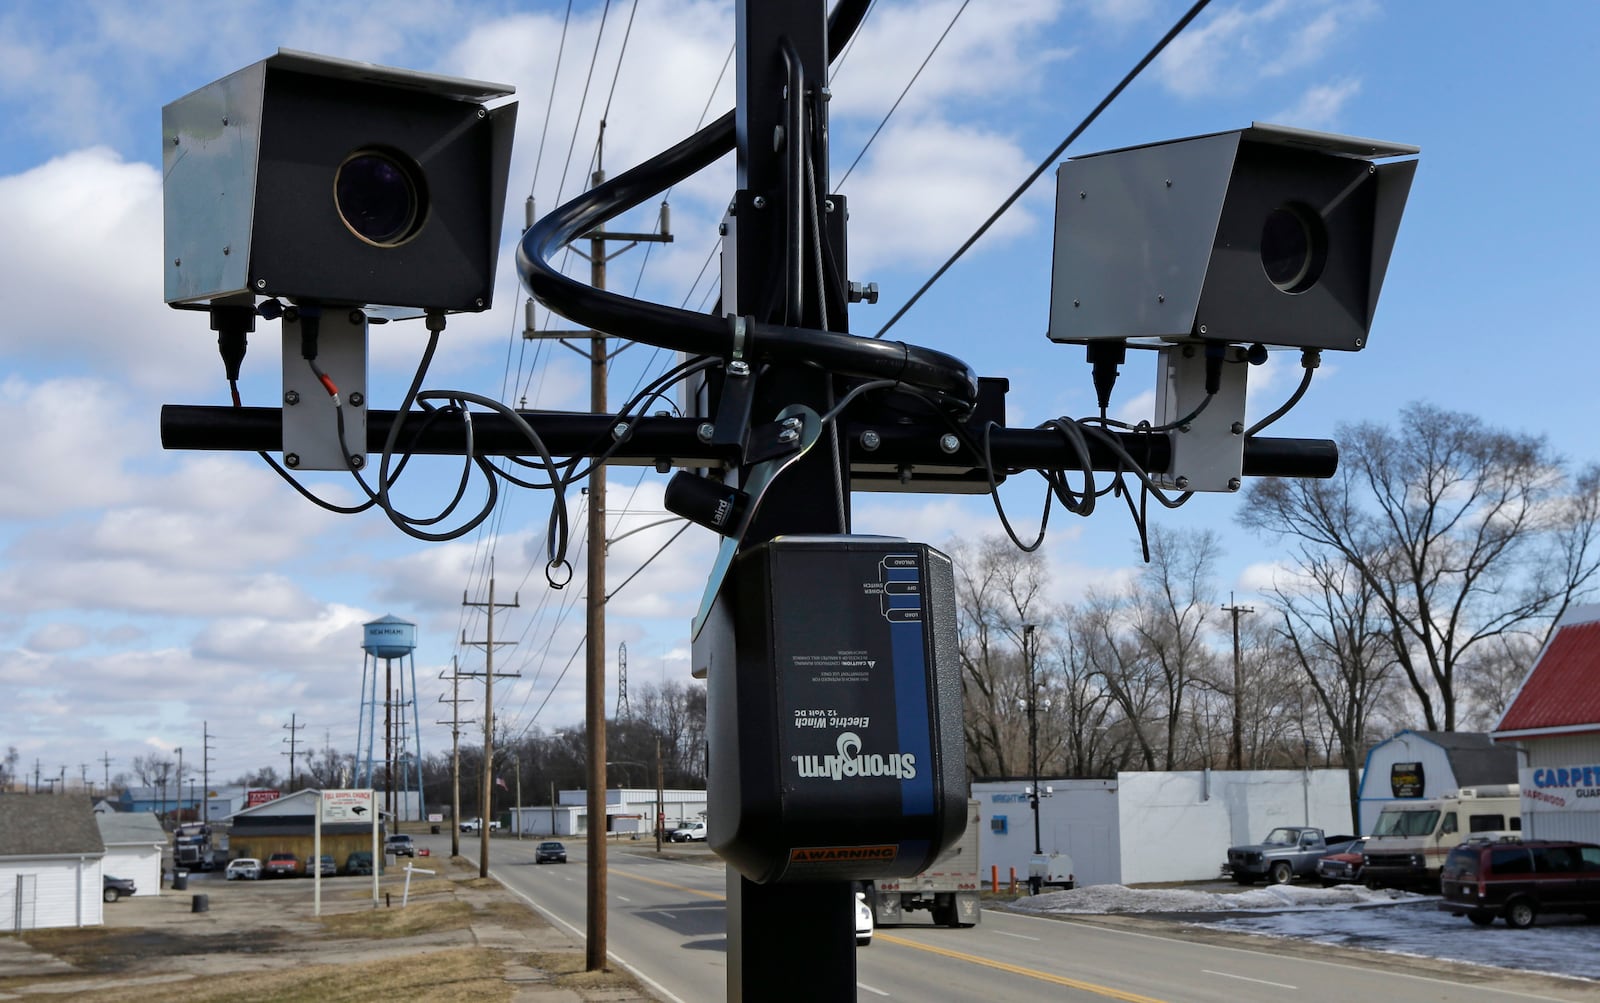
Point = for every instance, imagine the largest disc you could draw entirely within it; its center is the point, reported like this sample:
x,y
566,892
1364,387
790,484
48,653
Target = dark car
x,y
400,845
327,869
550,853
115,888
359,862
1482,879
281,865
1341,868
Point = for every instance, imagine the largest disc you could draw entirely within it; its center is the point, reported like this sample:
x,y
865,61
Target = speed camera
x,y
1264,235
336,182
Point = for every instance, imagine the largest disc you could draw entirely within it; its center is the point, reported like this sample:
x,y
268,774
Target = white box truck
x,y
949,889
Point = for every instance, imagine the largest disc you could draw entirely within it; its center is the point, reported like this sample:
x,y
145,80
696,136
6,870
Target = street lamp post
x,y
1036,866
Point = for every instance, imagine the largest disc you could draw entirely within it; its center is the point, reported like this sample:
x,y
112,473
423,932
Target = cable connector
x,y
1105,357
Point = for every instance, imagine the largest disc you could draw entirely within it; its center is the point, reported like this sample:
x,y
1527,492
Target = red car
x,y
1341,868
282,865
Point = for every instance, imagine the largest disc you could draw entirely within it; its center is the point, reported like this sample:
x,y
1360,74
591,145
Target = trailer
x,y
949,889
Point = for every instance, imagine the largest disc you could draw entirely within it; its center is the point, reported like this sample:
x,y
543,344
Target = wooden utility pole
x,y
1236,750
599,355
488,644
455,722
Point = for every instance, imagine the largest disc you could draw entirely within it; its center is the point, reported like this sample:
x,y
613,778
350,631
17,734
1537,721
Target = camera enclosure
x,y
336,182
1268,234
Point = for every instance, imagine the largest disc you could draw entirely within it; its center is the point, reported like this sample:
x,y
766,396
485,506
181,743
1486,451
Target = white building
x,y
1152,827
629,810
1431,764
1554,720
134,844
50,853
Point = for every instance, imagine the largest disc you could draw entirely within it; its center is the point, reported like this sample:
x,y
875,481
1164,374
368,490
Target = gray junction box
x,y
833,693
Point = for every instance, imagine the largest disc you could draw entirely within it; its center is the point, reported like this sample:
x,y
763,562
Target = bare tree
x,y
1152,648
1464,534
999,589
1331,619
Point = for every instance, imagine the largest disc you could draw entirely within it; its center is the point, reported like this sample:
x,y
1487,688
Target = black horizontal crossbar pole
x,y
676,441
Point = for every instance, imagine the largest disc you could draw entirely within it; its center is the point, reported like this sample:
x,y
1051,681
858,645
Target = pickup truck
x,y
1287,852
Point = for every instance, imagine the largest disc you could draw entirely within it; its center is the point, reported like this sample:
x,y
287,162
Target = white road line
x,y
1019,936
870,989
1246,978
1376,956
582,936
623,898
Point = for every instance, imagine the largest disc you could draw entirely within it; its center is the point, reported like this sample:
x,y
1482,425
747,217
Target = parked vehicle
x,y
694,832
1482,879
192,849
243,869
327,868
359,862
863,920
1288,852
115,888
472,825
400,845
550,852
1411,839
949,889
1341,868
281,865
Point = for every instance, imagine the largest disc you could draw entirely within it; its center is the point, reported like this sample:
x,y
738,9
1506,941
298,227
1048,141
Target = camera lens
x,y
1294,247
380,197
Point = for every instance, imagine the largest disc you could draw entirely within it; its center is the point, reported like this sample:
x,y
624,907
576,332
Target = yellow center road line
x,y
665,884
1032,973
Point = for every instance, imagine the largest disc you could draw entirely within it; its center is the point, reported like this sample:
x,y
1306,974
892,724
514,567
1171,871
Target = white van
x,y
1410,840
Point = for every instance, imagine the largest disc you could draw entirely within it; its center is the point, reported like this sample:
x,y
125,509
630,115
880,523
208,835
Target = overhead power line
x,y
1044,164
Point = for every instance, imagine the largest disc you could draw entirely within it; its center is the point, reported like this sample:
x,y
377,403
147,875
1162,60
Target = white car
x,y
863,920
695,832
244,869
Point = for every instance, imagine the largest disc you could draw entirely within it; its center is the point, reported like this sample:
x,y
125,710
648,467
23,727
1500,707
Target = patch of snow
x,y
1101,899
1383,920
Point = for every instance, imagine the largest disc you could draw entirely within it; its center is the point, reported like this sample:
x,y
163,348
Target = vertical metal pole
x,y
778,43
1028,646
595,645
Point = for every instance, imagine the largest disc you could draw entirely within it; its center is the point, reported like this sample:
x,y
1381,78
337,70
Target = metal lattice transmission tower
x,y
623,712
391,640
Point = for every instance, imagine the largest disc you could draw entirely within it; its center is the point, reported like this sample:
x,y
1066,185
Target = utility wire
x,y
1044,164
840,183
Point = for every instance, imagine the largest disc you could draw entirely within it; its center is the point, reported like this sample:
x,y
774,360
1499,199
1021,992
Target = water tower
x,y
391,640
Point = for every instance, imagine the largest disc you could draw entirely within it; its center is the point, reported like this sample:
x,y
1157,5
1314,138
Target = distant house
x,y
1427,764
134,844
1554,718
50,862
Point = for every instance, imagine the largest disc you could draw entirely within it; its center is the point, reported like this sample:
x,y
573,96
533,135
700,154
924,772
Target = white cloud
x,y
1232,49
1321,106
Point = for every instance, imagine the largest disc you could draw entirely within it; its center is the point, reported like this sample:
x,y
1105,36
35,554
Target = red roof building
x,y
1561,694
1554,723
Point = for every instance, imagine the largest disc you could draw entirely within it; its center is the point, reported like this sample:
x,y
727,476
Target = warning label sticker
x,y
842,854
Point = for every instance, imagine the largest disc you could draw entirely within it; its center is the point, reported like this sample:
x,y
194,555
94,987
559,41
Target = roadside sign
x,y
347,806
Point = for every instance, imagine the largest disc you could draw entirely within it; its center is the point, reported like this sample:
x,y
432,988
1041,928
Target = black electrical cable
x,y
1310,359
1044,164
679,330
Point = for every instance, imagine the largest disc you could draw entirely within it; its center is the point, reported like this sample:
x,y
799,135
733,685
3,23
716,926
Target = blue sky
x,y
143,592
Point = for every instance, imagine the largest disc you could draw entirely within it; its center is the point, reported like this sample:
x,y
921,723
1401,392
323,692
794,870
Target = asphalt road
x,y
666,924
